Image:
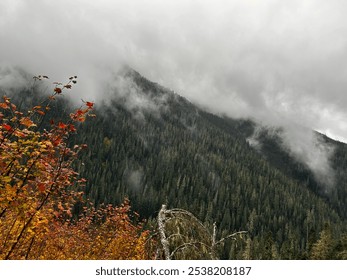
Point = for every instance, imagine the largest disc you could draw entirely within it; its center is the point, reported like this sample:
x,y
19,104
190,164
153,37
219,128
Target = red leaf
x,y
79,115
80,112
41,187
7,127
57,141
90,104
57,90
72,128
62,125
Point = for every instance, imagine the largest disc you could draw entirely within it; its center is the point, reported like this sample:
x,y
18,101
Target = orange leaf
x,y
41,112
27,122
4,106
19,134
81,119
6,99
79,115
38,110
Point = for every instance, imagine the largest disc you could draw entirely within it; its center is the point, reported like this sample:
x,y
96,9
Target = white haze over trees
x,y
282,63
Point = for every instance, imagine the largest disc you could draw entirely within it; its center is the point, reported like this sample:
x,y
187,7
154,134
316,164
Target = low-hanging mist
x,y
278,63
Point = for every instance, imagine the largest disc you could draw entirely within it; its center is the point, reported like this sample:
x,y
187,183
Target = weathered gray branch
x,y
161,228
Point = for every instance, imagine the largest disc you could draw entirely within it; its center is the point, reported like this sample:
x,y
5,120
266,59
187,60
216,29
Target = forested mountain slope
x,y
153,146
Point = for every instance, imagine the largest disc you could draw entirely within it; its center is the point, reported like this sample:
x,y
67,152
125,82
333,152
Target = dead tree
x,y
183,236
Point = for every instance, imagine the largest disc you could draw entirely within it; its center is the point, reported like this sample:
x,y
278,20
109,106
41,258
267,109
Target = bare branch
x,y
231,236
185,245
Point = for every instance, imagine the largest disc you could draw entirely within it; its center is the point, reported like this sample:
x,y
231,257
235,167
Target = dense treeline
x,y
179,155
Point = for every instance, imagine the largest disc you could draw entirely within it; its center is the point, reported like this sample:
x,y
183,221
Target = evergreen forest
x,y
153,147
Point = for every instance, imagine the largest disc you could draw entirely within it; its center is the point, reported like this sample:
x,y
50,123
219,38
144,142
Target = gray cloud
x,y
123,89
13,78
306,147
280,62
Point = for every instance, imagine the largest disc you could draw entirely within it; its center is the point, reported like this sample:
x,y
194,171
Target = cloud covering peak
x,y
275,61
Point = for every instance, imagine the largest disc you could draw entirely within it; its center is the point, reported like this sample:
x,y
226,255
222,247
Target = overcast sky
x,y
276,61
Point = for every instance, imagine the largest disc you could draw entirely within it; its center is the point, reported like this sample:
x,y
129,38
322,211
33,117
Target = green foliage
x,y
323,248
193,160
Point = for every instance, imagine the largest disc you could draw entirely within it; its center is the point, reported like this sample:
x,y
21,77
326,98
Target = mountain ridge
x,y
186,157
154,146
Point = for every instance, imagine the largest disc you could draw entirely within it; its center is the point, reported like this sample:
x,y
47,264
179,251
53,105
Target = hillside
x,y
154,146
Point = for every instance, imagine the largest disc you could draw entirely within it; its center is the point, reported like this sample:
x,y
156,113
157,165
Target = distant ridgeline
x,y
153,146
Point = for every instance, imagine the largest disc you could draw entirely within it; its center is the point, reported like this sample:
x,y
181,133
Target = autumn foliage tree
x,y
38,191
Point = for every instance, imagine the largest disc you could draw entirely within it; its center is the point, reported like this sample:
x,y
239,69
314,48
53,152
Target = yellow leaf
x,y
6,179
